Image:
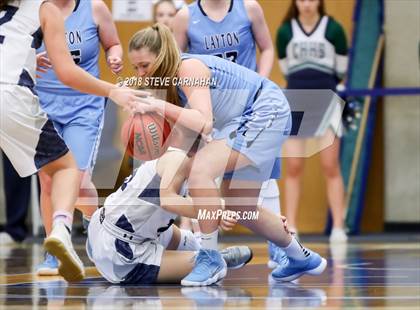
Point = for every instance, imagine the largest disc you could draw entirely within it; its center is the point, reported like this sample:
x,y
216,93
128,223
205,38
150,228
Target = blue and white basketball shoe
x,y
210,267
275,254
291,269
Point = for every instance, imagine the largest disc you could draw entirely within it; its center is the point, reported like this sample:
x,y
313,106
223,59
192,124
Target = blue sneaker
x,y
49,267
209,268
291,269
276,255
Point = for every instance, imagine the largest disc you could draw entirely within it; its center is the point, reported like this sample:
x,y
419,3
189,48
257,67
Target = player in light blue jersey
x,y
249,119
228,29
232,30
77,117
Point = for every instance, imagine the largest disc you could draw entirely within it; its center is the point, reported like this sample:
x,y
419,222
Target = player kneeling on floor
x,y
132,240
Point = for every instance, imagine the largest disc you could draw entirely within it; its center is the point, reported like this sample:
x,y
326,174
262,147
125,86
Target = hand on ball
x,y
148,104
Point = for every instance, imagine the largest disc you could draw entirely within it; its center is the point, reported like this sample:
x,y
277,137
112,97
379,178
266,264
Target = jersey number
x,y
231,56
10,12
77,56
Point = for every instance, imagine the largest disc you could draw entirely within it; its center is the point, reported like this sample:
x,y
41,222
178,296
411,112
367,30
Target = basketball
x,y
145,136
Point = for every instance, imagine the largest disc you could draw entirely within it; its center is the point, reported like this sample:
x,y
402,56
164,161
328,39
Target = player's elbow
x,y
208,127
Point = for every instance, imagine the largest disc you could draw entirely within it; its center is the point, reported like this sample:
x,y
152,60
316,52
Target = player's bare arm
x,y
262,37
180,28
67,71
173,169
108,36
199,117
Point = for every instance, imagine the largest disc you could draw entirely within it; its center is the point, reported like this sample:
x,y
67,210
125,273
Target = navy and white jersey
x,y
316,60
83,41
231,38
135,206
19,38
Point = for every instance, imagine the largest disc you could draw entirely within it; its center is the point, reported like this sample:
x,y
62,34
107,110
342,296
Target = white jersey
x,y
19,37
324,49
314,49
135,206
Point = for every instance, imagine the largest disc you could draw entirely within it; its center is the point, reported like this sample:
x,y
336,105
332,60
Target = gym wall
x,y
402,114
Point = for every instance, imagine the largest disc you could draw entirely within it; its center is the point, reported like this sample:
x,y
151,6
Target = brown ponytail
x,y
160,41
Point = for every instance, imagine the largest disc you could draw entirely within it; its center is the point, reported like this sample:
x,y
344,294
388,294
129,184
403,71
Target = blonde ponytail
x,y
160,41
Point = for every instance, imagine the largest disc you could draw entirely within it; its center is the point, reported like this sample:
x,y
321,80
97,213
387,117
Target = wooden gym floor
x,y
380,273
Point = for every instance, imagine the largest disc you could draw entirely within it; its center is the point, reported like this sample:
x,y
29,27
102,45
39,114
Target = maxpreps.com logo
x,y
204,214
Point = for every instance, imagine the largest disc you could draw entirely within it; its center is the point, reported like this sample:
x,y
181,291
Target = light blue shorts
x,y
79,121
259,133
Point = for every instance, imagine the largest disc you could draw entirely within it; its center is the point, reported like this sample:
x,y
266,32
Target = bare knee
x,y
294,167
331,169
200,174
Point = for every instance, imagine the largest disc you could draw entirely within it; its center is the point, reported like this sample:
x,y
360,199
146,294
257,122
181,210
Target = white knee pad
x,y
269,197
188,241
269,188
166,237
271,204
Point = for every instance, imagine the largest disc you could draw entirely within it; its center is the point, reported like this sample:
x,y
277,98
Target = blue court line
x,y
381,92
382,276
378,268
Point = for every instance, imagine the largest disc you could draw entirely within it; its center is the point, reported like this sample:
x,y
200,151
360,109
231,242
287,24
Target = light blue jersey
x,y
250,112
83,42
78,117
231,38
233,87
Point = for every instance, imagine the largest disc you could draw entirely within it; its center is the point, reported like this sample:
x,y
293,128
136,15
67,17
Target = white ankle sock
x,y
188,241
63,217
209,241
296,250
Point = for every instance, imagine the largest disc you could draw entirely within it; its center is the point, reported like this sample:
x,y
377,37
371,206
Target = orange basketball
x,y
145,135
